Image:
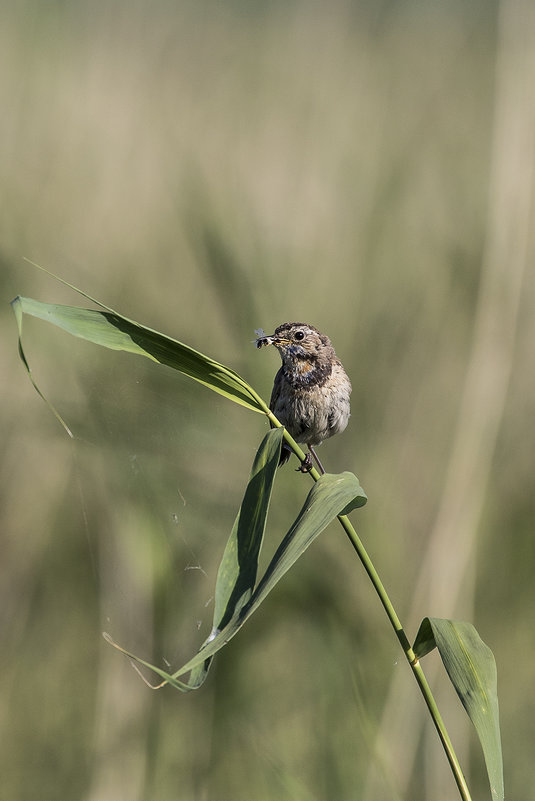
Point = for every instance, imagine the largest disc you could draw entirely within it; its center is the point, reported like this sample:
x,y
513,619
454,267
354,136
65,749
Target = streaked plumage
x,y
311,390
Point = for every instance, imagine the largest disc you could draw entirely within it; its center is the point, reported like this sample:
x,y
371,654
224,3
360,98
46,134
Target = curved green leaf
x,y
112,330
328,498
331,495
237,572
471,667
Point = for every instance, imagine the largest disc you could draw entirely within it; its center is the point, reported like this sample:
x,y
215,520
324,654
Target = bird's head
x,y
298,341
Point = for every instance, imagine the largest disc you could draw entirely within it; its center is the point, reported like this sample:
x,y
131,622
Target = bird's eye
x,y
299,335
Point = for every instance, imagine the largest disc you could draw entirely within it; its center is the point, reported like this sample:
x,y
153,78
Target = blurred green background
x,y
211,168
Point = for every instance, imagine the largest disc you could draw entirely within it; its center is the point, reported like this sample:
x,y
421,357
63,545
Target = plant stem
x,y
413,661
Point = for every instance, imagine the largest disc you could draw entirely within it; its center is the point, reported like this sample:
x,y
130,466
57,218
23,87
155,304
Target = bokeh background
x,y
208,168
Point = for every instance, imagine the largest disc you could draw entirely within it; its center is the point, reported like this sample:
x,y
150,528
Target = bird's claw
x,y
306,465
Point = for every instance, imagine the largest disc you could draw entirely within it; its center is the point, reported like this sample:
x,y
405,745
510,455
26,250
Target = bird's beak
x,y
271,340
279,340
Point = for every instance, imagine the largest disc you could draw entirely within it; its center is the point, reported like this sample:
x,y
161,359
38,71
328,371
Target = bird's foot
x,y
306,465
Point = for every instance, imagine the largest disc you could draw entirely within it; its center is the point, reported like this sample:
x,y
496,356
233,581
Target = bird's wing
x,y
275,392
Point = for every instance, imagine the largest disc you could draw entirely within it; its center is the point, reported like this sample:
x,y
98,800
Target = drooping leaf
x,y
471,668
237,572
329,497
112,330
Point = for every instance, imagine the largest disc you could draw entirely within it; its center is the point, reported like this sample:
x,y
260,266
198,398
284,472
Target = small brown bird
x,y
311,390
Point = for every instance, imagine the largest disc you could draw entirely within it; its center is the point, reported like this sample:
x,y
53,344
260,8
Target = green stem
x,y
413,661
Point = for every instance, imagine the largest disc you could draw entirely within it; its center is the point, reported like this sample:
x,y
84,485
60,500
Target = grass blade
x,y
471,667
111,330
329,497
237,572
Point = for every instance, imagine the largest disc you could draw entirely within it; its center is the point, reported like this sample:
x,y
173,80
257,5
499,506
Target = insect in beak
x,y
262,338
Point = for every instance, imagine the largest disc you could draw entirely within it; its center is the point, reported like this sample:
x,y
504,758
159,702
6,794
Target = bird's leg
x,y
315,455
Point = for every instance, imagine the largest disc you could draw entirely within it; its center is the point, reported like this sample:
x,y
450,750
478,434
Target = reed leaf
x,y
470,664
112,330
330,496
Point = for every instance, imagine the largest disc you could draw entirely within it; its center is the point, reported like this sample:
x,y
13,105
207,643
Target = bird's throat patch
x,y
303,367
307,373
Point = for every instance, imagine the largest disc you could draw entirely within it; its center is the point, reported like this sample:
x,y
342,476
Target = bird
x,y
311,390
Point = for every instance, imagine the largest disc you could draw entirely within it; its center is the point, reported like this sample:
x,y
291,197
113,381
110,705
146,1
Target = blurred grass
x,y
208,170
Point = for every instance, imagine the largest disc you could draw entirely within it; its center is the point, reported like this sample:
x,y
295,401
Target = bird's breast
x,y
313,411
307,373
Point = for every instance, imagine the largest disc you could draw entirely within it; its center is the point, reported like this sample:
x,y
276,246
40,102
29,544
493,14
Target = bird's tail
x,y
286,452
